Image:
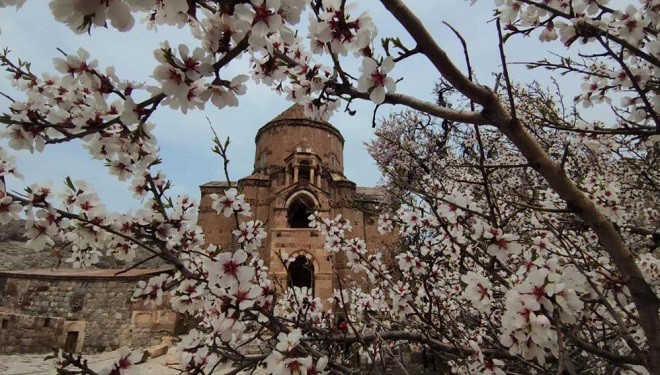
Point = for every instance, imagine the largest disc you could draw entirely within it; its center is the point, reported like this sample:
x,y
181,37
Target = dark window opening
x,y
303,171
5,323
301,273
47,322
299,211
71,341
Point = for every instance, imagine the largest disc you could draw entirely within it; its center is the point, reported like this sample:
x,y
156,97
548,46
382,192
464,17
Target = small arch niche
x,y
301,273
333,162
299,210
261,162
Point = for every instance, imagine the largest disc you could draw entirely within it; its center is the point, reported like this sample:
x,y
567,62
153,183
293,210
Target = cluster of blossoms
x,y
494,268
634,28
544,294
524,266
9,210
230,202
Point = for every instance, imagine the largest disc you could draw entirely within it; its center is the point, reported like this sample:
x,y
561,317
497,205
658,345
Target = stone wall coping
x,y
286,229
86,274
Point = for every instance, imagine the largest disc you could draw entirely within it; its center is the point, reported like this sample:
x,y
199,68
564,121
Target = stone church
x,y
298,169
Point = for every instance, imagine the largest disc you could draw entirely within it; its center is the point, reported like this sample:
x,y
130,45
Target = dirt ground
x,y
33,364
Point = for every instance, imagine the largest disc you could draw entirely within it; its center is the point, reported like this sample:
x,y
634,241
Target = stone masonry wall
x,y
21,333
100,308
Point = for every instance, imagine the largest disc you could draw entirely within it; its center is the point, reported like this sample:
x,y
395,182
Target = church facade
x,y
298,169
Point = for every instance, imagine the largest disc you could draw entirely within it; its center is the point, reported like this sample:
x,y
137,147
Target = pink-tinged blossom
x,y
75,65
501,245
549,33
195,65
81,15
203,359
122,366
346,31
226,95
8,165
40,231
188,297
250,235
123,250
286,342
265,18
375,80
629,24
478,291
319,367
385,224
222,32
152,291
9,210
230,202
229,268
244,294
83,258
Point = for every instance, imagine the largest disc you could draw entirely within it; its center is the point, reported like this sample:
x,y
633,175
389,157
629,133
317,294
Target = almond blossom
x,y
374,79
231,202
228,267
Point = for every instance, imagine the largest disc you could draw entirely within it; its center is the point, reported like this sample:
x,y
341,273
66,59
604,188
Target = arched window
x,y
301,273
303,170
299,210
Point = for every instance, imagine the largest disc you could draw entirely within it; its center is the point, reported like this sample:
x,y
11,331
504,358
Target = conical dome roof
x,y
295,116
295,112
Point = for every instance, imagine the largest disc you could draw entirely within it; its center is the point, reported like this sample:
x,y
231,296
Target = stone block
x,y
156,350
173,356
142,318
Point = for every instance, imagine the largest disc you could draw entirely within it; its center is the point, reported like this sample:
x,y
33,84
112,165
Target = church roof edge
x,y
296,114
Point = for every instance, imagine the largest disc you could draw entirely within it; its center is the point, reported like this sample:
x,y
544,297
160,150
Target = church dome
x,y
289,130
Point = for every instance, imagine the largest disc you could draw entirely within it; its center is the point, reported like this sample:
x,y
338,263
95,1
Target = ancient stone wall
x,y
99,311
20,333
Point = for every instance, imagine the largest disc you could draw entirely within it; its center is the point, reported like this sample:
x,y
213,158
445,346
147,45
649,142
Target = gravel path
x,y
33,364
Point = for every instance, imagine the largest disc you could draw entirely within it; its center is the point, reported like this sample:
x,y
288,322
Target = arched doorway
x,y
301,273
300,208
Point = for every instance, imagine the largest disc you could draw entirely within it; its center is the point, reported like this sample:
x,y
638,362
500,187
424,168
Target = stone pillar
x,y
318,176
295,174
286,172
311,176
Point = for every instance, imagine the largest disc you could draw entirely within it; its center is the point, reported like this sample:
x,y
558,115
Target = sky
x,y
32,34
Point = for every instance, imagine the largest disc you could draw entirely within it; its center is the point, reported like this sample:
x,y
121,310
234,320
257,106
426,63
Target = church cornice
x,y
299,122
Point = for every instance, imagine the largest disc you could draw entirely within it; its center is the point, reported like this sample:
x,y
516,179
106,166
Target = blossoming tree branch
x,y
527,230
